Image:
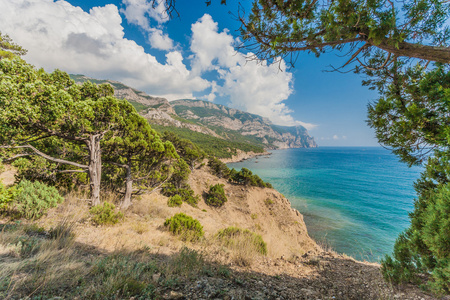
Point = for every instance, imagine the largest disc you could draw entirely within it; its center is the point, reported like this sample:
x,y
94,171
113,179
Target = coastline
x,y
241,156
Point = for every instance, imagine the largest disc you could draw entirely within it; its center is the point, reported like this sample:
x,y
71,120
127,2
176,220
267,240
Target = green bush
x,y
218,168
174,201
246,177
185,226
34,199
216,195
186,193
235,237
7,195
105,214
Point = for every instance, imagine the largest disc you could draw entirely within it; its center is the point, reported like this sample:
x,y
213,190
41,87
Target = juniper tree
x,y
136,148
37,105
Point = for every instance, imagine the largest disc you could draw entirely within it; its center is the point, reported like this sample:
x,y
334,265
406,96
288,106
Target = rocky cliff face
x,y
212,119
250,125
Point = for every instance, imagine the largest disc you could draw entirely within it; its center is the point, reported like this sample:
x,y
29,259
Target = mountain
x,y
208,123
229,121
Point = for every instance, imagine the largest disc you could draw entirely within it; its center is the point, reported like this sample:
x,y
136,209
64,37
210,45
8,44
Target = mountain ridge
x,y
204,117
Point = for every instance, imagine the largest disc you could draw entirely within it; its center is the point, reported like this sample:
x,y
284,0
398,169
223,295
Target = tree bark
x,y
95,167
432,53
128,186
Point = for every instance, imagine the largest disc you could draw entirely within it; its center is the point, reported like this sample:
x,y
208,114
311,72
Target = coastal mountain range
x,y
210,119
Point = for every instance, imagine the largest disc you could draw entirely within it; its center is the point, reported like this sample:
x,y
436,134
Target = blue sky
x,y
192,56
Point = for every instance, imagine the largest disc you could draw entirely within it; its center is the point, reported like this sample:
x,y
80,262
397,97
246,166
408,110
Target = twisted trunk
x,y
128,186
95,167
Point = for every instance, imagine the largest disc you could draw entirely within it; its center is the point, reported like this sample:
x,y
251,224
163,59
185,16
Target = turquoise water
x,y
355,199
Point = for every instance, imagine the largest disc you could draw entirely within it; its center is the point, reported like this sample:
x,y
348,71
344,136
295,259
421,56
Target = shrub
x,y
34,199
174,201
218,168
185,226
268,202
216,196
236,237
246,177
186,193
105,214
7,195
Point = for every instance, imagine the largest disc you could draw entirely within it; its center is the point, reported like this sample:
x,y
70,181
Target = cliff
x,y
243,123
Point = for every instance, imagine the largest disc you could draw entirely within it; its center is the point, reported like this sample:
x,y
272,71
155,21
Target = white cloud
x,y
59,35
335,137
138,12
211,49
141,12
252,86
159,40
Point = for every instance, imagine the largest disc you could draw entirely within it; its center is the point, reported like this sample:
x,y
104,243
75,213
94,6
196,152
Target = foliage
x,y
34,199
411,117
7,195
180,173
175,201
177,185
216,146
278,29
246,177
50,116
187,150
425,247
216,195
218,168
137,149
185,226
186,193
411,114
8,49
232,235
105,214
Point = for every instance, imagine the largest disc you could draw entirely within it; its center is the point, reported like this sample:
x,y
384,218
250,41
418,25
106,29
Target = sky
x,y
192,56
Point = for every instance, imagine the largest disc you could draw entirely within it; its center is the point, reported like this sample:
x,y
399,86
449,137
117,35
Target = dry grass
x,y
48,263
33,261
243,245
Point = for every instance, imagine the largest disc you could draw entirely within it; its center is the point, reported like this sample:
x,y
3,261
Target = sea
x,y
355,200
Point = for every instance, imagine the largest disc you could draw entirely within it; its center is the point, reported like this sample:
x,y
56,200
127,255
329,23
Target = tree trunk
x,y
128,187
95,168
432,53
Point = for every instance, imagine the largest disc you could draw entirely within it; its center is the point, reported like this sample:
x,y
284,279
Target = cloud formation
x,y
141,13
59,35
138,12
251,86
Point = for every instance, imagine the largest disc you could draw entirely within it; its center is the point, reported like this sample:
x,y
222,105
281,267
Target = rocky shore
x,y
241,156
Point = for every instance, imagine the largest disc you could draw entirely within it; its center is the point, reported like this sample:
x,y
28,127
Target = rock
x,y
156,276
174,295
